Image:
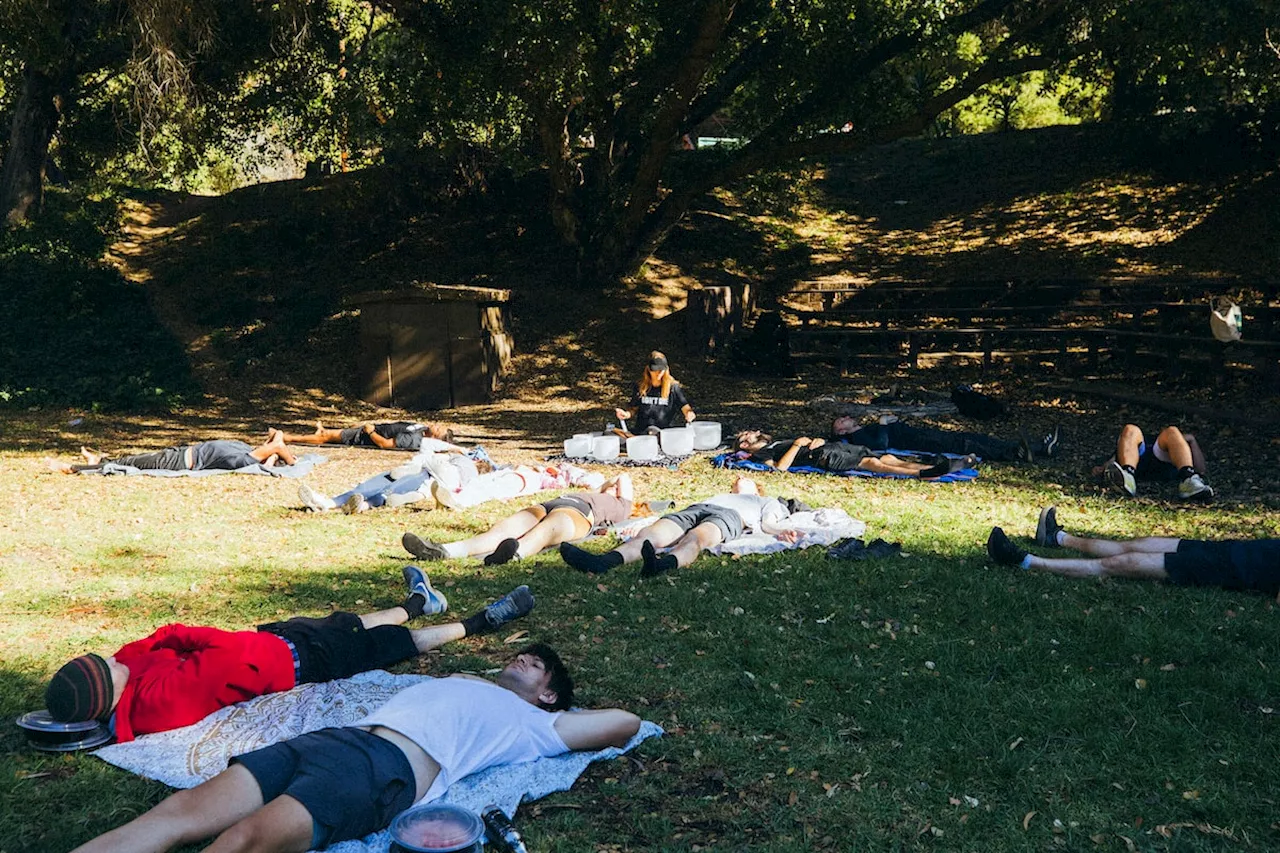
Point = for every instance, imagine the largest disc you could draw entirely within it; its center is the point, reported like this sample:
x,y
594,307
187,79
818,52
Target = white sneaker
x,y
1121,478
443,496
1194,488
313,500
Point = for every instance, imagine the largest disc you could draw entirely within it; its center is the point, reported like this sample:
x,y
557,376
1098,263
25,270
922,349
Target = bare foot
x,y
319,427
91,456
59,467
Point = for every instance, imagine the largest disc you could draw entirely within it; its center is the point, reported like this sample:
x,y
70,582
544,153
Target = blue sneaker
x,y
419,584
511,606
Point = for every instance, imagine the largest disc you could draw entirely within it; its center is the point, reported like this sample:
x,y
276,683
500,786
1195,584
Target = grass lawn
x,y
930,701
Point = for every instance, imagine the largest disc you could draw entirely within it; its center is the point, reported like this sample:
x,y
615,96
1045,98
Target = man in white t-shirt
x,y
339,784
692,530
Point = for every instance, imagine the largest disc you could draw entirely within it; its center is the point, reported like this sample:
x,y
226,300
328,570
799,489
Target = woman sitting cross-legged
x,y
659,401
526,533
839,457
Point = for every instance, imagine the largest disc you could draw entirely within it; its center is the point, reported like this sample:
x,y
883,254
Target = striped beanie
x,y
81,690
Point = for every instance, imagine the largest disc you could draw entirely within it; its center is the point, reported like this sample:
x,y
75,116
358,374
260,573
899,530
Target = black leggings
x,y
339,646
899,436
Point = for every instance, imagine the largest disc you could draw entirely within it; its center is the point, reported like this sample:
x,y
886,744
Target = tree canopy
x,y
602,98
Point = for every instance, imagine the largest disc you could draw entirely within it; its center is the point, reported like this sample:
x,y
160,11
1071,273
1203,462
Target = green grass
x,y
928,701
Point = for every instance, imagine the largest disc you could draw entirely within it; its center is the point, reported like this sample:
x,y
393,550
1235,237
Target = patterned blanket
x,y
183,758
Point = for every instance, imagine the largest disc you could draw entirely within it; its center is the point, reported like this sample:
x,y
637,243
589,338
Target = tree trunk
x,y
35,117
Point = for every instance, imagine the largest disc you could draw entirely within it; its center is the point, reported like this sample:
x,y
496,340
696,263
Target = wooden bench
x,y
990,342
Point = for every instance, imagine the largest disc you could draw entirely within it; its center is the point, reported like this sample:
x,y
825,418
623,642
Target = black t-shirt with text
x,y
655,410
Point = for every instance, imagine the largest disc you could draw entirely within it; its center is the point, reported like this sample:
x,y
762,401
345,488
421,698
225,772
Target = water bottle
x,y
502,832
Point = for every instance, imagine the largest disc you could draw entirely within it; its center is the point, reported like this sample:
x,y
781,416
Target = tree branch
x,y
675,105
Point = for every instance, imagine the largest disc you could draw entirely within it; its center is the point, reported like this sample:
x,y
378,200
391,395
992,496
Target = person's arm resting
x,y
790,456
597,729
378,440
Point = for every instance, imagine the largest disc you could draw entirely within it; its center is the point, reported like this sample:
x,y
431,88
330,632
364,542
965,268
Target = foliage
x,y
75,332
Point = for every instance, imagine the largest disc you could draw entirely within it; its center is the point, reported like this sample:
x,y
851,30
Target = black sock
x,y
415,605
585,561
503,554
653,564
476,624
1185,472
650,556
936,470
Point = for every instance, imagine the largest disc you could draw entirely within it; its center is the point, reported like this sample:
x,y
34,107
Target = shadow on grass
x,y
75,332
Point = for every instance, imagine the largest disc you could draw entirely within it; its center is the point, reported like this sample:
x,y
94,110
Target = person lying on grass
x,y
408,483
882,436
182,673
838,457
692,530
392,435
529,531
1246,564
1173,456
223,454
340,784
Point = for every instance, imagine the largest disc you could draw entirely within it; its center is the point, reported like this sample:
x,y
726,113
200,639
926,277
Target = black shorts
x,y
728,520
838,456
1152,469
339,646
350,781
1252,564
222,454
572,503
406,434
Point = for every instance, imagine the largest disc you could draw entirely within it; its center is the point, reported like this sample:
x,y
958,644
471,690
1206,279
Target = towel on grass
x,y
818,527
183,758
735,460
301,468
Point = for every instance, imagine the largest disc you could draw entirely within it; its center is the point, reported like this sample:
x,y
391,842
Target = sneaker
x,y
445,498
505,552
313,500
1121,477
1002,550
419,584
511,606
423,549
1194,488
354,504
1025,454
1049,444
1047,528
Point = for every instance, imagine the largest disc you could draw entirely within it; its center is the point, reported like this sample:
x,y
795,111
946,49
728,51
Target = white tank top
x,y
468,725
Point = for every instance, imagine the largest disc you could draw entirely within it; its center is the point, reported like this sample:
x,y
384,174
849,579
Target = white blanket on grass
x,y
817,527
183,758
